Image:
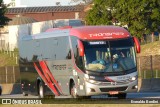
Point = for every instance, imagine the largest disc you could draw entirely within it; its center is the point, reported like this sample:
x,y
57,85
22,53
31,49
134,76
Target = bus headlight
x,y
86,76
92,81
134,78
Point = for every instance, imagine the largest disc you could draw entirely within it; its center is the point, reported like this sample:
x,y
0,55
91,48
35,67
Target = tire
x,y
73,91
122,96
41,90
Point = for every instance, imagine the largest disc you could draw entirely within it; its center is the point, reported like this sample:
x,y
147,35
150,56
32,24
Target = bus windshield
x,y
109,56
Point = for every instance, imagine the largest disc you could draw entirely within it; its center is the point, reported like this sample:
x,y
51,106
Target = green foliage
x,y
99,15
9,58
3,19
140,16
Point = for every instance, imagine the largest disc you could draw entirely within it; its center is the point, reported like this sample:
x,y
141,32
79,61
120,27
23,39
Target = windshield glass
x,y
109,56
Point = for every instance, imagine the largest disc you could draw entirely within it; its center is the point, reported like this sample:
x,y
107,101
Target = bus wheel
x,y
122,96
73,91
41,90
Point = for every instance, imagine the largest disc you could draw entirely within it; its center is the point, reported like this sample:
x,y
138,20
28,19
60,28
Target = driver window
x,y
78,59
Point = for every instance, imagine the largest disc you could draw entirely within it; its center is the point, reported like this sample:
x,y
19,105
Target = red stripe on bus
x,y
45,80
53,79
40,73
49,74
109,79
45,72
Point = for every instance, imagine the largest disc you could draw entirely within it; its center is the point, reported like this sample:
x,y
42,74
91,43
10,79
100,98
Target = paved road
x,y
136,98
151,95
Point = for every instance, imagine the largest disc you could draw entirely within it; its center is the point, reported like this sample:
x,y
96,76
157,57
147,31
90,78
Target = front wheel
x,y
73,91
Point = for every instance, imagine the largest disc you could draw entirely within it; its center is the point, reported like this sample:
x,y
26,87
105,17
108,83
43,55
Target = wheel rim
x,y
41,92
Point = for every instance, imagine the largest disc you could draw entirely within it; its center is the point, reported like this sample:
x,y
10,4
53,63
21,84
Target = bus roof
x,y
99,32
84,33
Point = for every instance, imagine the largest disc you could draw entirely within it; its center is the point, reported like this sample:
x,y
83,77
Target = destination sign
x,y
97,43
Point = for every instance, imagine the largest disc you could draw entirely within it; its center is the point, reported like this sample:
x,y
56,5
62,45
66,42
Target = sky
x,y
32,3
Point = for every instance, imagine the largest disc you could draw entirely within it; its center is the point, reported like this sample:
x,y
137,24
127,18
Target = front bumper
x,y
94,89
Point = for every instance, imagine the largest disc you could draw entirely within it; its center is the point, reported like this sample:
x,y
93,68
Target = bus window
x,y
69,54
78,59
97,55
109,56
123,54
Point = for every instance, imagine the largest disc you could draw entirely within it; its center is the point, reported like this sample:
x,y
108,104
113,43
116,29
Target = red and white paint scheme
x,y
79,61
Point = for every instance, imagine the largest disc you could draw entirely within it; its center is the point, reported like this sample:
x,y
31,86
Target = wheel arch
x,y
71,81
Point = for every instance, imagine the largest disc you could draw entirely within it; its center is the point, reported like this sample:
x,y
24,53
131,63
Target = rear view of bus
x,y
108,58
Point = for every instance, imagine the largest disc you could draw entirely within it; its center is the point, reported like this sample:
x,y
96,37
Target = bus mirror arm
x,y
137,44
80,48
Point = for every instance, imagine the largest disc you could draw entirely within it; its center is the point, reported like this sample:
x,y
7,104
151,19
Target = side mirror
x,y
80,48
137,44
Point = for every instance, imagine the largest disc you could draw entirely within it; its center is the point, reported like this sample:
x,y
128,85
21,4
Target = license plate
x,y
113,92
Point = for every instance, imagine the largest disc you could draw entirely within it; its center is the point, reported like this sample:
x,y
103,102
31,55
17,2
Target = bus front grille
x,y
113,89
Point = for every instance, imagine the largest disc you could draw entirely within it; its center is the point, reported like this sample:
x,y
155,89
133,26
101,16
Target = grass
x,y
8,58
152,48
147,74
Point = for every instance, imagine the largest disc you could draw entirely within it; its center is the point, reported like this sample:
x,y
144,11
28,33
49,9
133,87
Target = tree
x,y
3,19
140,16
99,14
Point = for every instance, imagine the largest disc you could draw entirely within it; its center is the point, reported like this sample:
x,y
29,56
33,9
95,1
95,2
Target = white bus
x,y
81,61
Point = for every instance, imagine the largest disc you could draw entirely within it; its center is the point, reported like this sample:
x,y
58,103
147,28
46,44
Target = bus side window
x,y
69,54
78,59
68,49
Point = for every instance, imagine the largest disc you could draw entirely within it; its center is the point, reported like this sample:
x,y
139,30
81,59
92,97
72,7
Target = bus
x,y
79,62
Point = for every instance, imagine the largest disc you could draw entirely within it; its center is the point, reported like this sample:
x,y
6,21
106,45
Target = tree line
x,y
138,16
